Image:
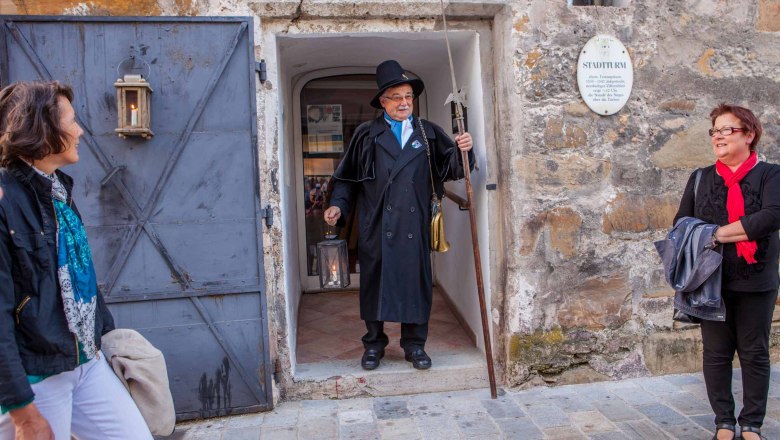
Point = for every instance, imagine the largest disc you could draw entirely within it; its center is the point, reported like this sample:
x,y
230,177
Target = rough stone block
x,y
98,7
768,16
631,365
597,303
633,213
577,108
560,135
565,225
569,171
580,374
673,352
683,106
689,149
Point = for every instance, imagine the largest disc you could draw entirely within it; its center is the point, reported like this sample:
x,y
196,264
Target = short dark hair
x,y
30,120
748,119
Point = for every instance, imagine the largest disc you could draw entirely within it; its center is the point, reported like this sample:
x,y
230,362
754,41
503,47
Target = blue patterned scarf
x,y
77,277
75,271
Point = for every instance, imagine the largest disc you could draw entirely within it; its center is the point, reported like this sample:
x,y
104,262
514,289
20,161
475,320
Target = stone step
x,y
451,371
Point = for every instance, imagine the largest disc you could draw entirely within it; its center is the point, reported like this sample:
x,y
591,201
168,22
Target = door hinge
x,y
268,214
260,68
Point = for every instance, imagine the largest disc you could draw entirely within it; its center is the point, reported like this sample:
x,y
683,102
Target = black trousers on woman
x,y
746,331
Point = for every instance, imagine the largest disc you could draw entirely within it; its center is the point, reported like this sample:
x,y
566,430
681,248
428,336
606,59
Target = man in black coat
x,y
386,175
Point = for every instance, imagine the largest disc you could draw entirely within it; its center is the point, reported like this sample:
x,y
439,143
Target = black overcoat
x,y
391,189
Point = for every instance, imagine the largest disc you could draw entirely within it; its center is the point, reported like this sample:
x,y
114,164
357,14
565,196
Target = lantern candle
x,y
133,116
334,275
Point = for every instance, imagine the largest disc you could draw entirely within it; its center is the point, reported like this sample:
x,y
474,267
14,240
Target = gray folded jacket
x,y
693,268
141,368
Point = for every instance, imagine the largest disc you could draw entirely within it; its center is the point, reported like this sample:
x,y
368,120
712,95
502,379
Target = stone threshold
x,y
338,379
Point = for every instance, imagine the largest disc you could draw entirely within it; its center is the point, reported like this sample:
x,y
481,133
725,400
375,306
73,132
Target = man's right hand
x,y
30,424
332,215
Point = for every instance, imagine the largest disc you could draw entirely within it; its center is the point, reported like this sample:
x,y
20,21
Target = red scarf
x,y
735,202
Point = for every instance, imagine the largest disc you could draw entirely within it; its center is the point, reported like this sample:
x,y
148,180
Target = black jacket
x,y
761,191
391,190
34,335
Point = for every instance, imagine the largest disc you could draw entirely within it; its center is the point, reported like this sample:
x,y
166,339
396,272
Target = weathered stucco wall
x,y
578,293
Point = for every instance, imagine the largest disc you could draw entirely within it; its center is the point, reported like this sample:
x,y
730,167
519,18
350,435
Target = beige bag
x,y
438,242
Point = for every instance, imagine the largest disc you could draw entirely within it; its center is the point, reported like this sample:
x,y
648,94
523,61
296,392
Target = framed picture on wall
x,y
325,133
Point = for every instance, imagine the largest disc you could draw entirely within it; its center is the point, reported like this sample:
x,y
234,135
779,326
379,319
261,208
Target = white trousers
x,y
89,402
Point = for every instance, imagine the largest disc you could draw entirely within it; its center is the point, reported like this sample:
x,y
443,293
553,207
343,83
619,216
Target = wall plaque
x,y
605,74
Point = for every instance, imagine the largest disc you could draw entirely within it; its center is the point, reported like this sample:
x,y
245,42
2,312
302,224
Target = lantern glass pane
x,y
131,107
333,265
344,263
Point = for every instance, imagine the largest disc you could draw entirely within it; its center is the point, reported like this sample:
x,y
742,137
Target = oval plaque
x,y
605,74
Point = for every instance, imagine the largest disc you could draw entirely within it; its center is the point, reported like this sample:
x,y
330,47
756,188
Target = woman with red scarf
x,y
742,195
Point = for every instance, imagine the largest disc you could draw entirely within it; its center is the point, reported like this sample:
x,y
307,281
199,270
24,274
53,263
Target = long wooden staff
x,y
473,217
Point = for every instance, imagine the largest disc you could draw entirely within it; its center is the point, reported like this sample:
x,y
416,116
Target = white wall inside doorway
x,y
423,53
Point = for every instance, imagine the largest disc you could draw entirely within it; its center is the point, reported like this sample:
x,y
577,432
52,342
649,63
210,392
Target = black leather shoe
x,y
753,429
419,359
727,427
371,358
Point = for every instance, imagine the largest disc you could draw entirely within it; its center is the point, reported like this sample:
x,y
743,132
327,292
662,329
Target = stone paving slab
x,y
657,408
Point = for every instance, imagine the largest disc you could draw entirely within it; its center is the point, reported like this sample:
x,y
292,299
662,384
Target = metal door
x,y
173,221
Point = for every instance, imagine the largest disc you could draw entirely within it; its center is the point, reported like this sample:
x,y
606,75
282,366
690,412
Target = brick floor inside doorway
x,y
329,328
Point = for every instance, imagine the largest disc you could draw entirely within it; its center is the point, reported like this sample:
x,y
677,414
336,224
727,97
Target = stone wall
x,y
594,192
578,291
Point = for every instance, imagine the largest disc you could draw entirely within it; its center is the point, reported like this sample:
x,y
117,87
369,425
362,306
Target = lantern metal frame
x,y
125,127
330,276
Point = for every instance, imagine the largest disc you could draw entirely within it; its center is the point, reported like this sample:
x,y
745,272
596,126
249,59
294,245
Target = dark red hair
x,y
748,119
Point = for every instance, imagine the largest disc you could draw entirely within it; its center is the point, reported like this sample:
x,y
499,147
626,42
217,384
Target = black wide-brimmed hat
x,y
390,74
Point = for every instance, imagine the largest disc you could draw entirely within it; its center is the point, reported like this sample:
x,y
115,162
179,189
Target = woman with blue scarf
x,y
54,381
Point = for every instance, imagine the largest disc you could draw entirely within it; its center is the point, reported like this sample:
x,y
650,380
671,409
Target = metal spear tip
x,y
459,98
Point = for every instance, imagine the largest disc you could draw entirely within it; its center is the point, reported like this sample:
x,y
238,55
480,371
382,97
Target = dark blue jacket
x,y
693,268
34,334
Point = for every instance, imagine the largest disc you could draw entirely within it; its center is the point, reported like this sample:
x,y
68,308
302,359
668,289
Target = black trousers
x,y
413,336
746,331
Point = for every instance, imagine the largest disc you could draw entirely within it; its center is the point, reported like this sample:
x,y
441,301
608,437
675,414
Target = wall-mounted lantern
x,y
133,101
333,263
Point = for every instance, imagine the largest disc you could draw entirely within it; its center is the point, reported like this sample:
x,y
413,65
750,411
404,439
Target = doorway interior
x,y
324,77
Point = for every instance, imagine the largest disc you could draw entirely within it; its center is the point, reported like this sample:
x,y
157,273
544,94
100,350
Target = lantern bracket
x,y
133,59
268,214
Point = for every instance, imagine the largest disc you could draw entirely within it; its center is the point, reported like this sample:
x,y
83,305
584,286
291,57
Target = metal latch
x,y
268,214
260,68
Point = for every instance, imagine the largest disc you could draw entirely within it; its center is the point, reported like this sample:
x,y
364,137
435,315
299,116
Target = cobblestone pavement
x,y
665,407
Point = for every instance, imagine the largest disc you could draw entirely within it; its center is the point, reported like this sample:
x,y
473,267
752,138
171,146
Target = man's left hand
x,y
464,141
